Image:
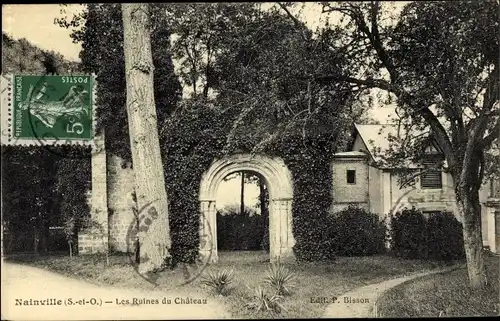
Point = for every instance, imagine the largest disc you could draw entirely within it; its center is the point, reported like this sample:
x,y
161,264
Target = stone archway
x,y
278,180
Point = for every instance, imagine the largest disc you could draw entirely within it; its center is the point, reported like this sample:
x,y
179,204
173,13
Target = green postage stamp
x,y
48,109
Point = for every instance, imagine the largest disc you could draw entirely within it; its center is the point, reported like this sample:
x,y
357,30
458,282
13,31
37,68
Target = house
x,y
360,177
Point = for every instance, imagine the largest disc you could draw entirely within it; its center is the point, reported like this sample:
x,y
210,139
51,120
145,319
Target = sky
x,y
35,22
229,193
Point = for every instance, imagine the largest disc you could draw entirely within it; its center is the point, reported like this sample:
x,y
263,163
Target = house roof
x,y
351,154
376,138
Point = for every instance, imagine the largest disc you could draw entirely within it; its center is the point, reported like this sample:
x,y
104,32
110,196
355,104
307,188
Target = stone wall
x,y
120,203
111,204
95,239
425,199
375,190
350,193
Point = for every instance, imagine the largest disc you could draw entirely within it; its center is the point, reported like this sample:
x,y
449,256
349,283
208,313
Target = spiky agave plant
x,y
219,281
280,278
262,302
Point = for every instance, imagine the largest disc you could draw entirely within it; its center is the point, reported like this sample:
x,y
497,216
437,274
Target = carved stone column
x,y
497,231
493,224
208,231
280,230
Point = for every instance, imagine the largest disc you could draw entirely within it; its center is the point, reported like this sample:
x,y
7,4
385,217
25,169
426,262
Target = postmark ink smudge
x,y
143,219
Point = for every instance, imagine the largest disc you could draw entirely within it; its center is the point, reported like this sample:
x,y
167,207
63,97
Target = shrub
x,y
264,244
357,232
219,281
262,302
280,278
408,234
413,236
444,237
238,231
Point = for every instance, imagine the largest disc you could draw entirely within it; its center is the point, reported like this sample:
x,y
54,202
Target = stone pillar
x,y
497,231
385,187
208,231
280,230
95,239
493,225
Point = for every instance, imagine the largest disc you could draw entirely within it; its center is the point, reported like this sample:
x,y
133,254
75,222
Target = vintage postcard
x,y
250,160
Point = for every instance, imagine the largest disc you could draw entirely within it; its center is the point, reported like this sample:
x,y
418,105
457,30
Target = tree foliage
x,y
20,56
99,29
439,60
29,169
73,183
263,107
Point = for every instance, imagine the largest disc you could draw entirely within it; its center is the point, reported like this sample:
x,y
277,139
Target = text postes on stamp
x,y
49,109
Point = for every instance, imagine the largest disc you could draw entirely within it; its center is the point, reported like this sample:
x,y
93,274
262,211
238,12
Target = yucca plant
x,y
219,281
262,302
280,278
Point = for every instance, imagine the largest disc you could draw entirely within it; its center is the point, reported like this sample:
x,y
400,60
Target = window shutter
x,y
431,178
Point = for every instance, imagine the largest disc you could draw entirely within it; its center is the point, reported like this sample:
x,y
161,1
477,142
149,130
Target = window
x,y
351,176
428,214
431,177
494,188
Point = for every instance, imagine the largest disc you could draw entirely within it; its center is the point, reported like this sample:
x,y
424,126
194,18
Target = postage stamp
x,y
48,109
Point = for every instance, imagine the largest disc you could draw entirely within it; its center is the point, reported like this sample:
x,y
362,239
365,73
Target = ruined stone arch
x,y
278,180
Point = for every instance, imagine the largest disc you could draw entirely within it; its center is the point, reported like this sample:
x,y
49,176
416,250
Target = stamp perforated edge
x,y
7,137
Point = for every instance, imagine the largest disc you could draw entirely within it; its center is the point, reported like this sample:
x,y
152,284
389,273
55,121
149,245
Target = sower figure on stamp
x,y
73,104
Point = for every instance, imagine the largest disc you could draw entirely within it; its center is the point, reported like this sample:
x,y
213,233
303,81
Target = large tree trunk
x,y
262,197
154,235
470,209
36,240
242,194
264,212
44,239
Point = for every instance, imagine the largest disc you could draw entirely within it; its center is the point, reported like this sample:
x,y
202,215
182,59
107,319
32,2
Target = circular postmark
x,y
137,231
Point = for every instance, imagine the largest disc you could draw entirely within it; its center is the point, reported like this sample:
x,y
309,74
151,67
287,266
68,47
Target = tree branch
x,y
368,83
348,11
376,42
296,21
490,138
491,94
207,69
438,130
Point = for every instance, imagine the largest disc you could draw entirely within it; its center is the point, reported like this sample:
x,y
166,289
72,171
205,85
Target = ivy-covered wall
x,y
193,138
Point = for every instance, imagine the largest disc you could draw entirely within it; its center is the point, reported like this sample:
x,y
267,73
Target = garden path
x,y
20,282
361,302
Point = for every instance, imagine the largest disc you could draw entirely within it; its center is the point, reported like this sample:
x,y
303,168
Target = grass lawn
x,y
325,279
446,294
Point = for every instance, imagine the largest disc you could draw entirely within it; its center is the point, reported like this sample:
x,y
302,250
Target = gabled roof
x,y
376,138
351,154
